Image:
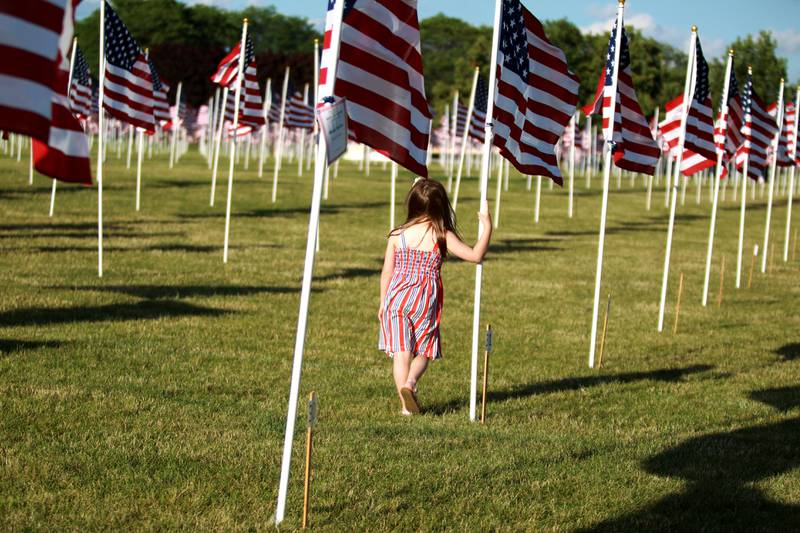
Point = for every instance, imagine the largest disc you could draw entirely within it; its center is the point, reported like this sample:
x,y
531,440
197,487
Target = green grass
x,y
155,397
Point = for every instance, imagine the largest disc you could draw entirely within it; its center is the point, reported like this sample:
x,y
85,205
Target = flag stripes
x,y
80,93
759,130
536,94
477,121
298,113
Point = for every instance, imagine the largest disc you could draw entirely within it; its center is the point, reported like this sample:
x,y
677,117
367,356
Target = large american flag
x,y
65,153
461,119
80,93
298,113
379,72
477,121
128,85
30,35
274,114
228,68
536,94
251,110
759,130
634,147
699,149
160,90
787,134
728,130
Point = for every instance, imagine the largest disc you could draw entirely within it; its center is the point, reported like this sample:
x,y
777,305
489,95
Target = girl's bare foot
x,y
409,400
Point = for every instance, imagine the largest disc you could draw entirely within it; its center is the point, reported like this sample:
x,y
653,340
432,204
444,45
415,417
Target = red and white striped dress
x,y
413,307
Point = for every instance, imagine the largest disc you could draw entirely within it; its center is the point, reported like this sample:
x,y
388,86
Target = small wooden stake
x,y
721,282
752,265
488,348
794,246
312,421
678,305
603,335
771,258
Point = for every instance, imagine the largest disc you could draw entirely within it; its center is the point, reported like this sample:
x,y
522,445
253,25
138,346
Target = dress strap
x,y
402,241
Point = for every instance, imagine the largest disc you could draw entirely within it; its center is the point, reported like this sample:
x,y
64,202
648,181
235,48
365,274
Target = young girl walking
x,y
411,288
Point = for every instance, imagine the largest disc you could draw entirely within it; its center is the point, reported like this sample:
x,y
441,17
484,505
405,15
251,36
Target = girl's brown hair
x,y
427,201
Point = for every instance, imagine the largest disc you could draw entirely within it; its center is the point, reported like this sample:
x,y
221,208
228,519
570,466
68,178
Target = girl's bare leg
x,y
418,366
401,362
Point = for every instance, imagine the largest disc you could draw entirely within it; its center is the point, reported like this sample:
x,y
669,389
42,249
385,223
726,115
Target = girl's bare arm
x,y
473,254
386,273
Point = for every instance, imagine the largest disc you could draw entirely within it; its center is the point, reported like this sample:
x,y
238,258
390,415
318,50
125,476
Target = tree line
x,y
187,42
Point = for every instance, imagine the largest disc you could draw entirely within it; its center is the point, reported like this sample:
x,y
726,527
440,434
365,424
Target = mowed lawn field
x,y
155,397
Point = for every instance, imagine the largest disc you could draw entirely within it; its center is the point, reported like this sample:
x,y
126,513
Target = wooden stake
x,y
771,258
603,334
794,246
678,305
721,282
752,265
312,421
487,349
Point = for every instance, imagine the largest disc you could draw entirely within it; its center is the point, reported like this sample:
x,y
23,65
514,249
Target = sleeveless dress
x,y
413,307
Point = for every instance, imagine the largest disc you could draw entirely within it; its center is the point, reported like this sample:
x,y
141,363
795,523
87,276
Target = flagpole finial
x,y
622,2
244,20
477,68
694,28
730,52
749,69
316,42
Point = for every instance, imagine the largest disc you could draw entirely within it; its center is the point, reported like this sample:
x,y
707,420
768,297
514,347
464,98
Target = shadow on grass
x,y
721,470
504,246
113,234
790,352
144,310
8,346
325,209
350,273
175,292
572,384
625,227
169,247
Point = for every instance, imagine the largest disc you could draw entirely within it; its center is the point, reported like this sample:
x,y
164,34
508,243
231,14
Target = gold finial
x,y
781,80
477,68
316,42
244,20
622,2
694,28
730,52
749,69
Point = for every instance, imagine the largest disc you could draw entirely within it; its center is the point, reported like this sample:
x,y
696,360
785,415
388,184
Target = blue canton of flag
x,y
701,88
624,55
514,39
121,48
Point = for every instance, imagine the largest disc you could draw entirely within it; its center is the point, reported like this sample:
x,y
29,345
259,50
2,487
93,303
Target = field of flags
x,y
521,121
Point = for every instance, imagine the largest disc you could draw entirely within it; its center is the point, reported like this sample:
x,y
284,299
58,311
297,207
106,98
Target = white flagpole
x,y
723,109
499,190
444,154
775,143
658,166
588,166
392,196
220,124
232,157
265,113
464,136
139,143
793,155
608,135
743,208
687,95
538,199
572,123
452,143
302,137
487,152
212,130
176,125
130,146
279,142
305,290
101,140
69,89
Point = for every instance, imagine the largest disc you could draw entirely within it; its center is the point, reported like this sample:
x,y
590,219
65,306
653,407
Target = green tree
x,y
768,68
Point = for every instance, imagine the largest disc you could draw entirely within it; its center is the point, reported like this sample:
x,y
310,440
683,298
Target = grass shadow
x,y
175,292
350,273
8,346
144,310
504,246
671,375
790,351
721,470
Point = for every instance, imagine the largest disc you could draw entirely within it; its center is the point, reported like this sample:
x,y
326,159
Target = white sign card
x,y
332,119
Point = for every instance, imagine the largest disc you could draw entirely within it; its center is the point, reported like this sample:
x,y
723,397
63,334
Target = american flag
x,y
274,114
759,130
128,85
65,154
536,94
160,90
251,110
728,130
699,149
461,120
634,147
379,72
80,94
298,113
787,134
30,65
228,68
478,119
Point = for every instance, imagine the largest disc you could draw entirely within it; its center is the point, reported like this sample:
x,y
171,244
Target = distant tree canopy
x,y
187,42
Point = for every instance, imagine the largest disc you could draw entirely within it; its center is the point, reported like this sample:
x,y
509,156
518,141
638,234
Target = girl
x,y
411,288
